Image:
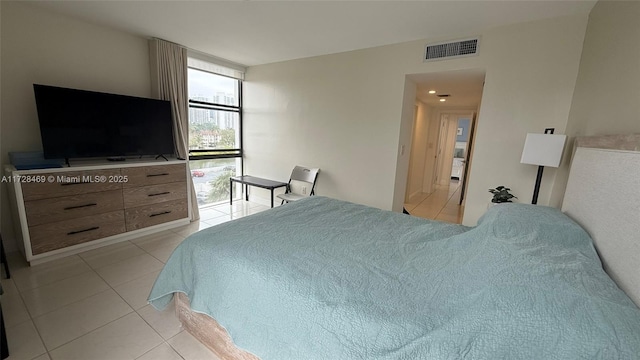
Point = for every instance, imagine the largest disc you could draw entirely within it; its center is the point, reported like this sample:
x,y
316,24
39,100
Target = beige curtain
x,y
169,82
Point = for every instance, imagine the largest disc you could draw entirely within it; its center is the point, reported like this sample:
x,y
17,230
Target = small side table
x,y
248,180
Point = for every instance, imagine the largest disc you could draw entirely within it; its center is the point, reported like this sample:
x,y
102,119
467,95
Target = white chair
x,y
301,184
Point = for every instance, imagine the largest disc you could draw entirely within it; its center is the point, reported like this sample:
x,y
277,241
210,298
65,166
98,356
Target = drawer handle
x,y
162,193
85,230
80,206
74,183
160,213
162,174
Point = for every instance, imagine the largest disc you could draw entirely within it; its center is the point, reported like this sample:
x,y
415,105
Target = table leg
x,y
272,198
246,192
4,347
230,192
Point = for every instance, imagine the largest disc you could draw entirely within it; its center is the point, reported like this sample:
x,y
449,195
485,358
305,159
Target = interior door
x,y
466,159
446,152
460,150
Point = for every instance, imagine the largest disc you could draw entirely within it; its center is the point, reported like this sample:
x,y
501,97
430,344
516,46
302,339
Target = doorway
x,y
444,202
452,146
442,144
455,150
460,149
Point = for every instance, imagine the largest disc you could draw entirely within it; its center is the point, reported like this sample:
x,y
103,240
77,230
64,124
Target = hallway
x,y
440,205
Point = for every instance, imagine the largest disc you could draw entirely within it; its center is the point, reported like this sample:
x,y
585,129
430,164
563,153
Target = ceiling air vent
x,y
439,51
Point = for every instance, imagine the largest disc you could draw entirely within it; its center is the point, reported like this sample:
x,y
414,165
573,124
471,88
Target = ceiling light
x,y
443,100
432,91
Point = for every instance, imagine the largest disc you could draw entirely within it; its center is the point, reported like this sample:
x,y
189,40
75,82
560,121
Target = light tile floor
x,y
94,305
442,204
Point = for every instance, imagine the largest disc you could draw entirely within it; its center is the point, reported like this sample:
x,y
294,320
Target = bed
x,y
327,279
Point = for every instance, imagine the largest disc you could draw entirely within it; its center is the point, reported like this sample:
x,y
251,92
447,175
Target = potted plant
x,y
501,195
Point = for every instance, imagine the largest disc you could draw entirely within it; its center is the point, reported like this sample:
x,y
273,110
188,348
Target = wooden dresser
x,y
69,210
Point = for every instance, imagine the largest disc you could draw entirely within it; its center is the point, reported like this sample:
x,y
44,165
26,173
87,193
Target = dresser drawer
x,y
150,175
71,183
144,216
61,234
71,207
153,194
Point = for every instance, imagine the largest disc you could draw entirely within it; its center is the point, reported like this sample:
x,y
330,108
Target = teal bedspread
x,y
327,279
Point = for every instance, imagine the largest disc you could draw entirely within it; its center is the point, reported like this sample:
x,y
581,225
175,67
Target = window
x,y
215,129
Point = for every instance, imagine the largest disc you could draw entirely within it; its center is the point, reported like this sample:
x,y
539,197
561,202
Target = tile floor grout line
x,y
91,271
75,302
446,203
136,311
28,266
110,288
29,320
173,347
448,200
71,303
118,262
154,329
163,342
118,294
425,199
33,323
91,331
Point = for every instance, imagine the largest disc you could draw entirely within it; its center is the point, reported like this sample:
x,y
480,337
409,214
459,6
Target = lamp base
x,y
536,189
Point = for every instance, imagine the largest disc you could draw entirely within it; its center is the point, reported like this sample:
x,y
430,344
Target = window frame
x,y
207,154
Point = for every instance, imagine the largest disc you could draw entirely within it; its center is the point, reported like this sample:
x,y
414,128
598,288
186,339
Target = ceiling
x,y
259,32
464,87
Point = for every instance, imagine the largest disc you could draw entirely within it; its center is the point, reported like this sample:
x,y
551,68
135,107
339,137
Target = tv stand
x,y
84,207
161,156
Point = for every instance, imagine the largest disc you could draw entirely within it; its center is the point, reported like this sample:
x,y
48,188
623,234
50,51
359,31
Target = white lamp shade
x,y
543,149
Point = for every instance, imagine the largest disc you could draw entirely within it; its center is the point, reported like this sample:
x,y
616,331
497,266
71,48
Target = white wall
x,y
346,113
415,183
607,94
306,112
43,47
530,77
430,150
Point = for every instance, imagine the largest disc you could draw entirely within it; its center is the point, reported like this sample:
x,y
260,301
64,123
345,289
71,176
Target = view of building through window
x,y
213,129
214,134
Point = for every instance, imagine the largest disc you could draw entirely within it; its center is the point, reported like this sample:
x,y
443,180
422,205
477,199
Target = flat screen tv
x,y
81,124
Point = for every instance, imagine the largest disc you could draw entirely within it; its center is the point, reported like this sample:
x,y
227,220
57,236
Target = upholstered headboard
x,y
603,196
